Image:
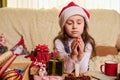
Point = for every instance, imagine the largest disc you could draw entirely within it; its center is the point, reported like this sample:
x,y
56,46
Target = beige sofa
x,y
40,26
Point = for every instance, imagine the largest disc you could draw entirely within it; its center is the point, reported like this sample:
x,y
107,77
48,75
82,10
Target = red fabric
x,y
21,42
69,5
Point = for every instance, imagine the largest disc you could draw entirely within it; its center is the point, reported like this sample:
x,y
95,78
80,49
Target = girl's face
x,y
74,26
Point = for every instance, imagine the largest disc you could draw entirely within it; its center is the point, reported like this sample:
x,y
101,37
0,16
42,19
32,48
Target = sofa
x,y
40,26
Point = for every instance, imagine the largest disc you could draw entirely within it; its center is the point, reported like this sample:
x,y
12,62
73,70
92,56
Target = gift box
x,y
40,53
55,67
39,57
38,68
34,70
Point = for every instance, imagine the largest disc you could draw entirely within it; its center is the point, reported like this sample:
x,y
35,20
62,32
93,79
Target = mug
x,y
110,68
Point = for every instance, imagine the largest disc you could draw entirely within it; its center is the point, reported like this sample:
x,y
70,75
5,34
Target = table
x,y
89,73
97,75
23,63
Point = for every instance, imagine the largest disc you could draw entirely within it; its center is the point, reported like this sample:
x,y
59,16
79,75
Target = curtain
x,y
88,4
3,3
0,4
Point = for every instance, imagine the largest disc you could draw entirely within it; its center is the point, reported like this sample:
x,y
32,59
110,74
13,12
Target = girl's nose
x,y
74,26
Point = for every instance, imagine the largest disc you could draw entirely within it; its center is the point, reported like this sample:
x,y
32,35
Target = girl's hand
x,y
74,46
80,45
77,48
74,52
80,49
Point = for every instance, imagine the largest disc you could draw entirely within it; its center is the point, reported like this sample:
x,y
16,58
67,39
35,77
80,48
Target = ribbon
x,y
54,67
42,48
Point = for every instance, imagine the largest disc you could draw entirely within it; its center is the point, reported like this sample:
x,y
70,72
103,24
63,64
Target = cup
x,y
110,68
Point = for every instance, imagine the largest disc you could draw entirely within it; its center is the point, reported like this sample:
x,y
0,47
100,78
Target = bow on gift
x,y
42,48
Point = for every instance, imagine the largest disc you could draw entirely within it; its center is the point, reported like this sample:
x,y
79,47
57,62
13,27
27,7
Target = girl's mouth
x,y
74,32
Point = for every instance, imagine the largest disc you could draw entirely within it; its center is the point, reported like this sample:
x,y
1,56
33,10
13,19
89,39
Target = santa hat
x,y
19,47
70,10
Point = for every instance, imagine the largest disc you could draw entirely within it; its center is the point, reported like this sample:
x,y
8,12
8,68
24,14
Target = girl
x,y
73,42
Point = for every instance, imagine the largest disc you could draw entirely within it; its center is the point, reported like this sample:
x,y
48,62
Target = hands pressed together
x,y
77,48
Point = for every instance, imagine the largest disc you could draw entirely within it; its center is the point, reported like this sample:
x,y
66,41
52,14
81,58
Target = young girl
x,y
73,42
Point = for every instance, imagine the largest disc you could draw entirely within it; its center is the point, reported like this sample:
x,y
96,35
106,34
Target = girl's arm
x,y
68,62
84,63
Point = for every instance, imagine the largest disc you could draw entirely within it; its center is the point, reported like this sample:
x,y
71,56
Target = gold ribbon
x,y
54,64
54,67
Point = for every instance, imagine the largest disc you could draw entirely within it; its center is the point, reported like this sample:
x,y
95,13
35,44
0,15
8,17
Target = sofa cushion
x,y
106,50
118,43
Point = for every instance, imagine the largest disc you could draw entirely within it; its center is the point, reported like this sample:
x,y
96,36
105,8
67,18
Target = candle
x,y
76,69
2,70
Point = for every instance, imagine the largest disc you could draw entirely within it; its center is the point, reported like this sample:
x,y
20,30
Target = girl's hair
x,y
85,36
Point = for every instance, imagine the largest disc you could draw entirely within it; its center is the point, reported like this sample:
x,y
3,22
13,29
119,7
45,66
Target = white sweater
x,y
69,64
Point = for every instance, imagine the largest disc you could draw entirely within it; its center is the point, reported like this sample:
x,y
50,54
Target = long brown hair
x,y
62,35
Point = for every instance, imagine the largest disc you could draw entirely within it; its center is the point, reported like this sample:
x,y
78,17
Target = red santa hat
x,y
70,10
20,47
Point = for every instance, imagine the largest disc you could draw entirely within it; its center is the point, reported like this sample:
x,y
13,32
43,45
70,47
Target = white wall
x,y
88,4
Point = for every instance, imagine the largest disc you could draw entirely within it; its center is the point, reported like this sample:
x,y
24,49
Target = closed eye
x,y
79,23
69,23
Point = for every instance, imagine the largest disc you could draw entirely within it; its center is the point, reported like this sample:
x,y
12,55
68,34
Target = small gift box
x,y
55,67
38,68
34,70
39,57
